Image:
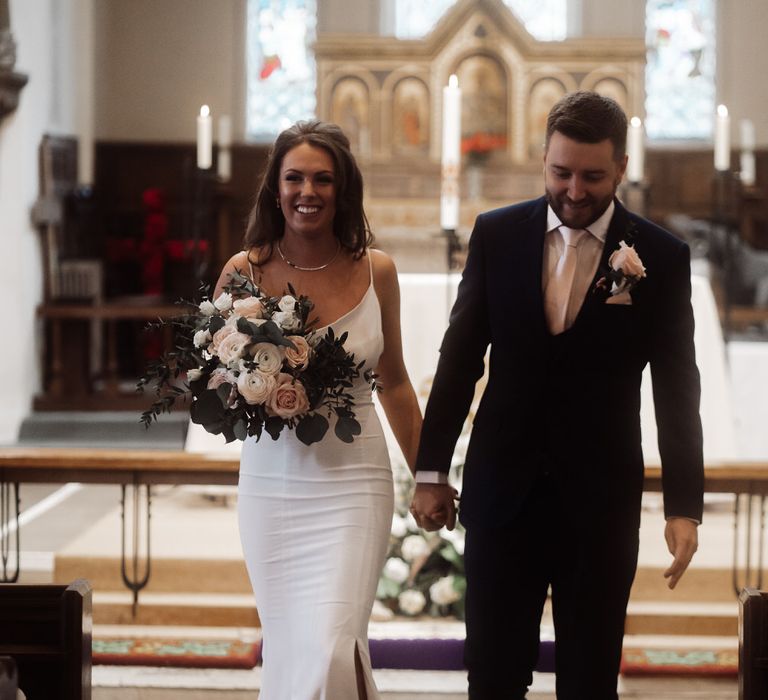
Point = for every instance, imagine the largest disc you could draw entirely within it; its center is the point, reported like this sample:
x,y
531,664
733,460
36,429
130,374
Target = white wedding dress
x,y
314,524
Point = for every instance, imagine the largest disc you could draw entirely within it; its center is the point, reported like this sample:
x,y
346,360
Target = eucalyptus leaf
x,y
207,409
274,426
217,323
240,429
312,428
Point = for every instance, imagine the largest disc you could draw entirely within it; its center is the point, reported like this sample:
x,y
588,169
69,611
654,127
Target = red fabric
x,y
183,653
680,662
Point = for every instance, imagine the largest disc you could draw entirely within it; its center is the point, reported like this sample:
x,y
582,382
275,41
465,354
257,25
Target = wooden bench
x,y
46,629
753,644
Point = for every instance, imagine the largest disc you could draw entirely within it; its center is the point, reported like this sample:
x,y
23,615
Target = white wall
x,y
47,53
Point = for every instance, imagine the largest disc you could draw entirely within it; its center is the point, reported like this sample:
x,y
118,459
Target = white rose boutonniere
x,y
625,269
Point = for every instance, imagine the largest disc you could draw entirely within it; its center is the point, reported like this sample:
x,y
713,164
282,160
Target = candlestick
x,y
204,138
225,131
224,157
722,139
449,197
747,159
635,150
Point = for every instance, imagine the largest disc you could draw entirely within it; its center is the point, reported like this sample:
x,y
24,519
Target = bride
x,y
315,520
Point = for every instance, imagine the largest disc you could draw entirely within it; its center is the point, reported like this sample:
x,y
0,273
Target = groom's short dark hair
x,y
589,118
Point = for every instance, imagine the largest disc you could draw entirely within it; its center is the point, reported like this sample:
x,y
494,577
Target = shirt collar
x,y
599,228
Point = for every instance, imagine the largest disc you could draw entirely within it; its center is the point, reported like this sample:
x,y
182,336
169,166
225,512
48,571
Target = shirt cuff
x,y
425,477
683,517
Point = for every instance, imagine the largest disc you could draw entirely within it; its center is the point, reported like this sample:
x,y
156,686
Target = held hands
x,y
434,506
683,541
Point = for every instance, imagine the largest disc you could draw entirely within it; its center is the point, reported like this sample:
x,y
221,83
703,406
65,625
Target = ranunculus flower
x,y
218,337
396,570
232,347
268,358
207,308
255,387
223,302
287,303
287,320
221,376
299,356
194,374
250,307
413,547
289,399
443,592
399,526
627,260
411,602
201,337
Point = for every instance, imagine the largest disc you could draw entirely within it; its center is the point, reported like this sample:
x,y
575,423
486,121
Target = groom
x,y
574,295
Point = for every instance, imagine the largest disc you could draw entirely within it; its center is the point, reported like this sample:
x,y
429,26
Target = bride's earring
x,y
277,201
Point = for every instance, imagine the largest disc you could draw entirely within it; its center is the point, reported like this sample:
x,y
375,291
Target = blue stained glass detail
x,y
680,69
280,73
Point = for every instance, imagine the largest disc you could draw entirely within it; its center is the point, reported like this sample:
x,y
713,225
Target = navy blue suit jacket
x,y
566,405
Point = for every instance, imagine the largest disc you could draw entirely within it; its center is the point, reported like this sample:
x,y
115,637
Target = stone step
x,y
682,618
228,575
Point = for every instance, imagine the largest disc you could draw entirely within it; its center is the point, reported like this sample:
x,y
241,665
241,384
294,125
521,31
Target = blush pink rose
x,y
221,376
289,399
218,336
627,260
299,356
250,307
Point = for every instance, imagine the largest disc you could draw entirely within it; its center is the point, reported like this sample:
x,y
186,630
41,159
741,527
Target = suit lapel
x,y
532,233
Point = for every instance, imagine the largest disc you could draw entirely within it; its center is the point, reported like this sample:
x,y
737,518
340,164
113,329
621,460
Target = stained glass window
x,y
280,65
680,72
544,19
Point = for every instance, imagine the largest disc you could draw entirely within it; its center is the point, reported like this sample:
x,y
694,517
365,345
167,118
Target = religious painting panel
x,y
484,120
543,96
350,109
410,117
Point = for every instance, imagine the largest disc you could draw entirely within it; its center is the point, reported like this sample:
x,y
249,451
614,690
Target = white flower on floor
x,y
411,602
399,526
410,521
396,570
455,537
443,591
413,547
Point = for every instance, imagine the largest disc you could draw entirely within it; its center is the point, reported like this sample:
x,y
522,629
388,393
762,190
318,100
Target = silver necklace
x,y
308,269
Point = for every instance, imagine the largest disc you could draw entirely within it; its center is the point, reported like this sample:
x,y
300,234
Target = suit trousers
x,y
587,554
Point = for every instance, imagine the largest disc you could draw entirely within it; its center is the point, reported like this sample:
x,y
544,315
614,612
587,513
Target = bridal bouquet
x,y
256,364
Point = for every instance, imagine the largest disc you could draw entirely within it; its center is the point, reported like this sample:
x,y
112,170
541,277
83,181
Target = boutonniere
x,y
625,268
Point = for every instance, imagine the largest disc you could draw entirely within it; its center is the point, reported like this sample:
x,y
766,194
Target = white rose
x,y
223,302
299,356
255,387
627,260
194,374
218,338
207,308
399,526
268,357
287,320
414,547
232,347
287,303
396,570
201,338
442,591
411,602
250,307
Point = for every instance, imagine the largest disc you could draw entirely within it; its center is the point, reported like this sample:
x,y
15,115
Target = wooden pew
x,y
753,644
9,685
46,629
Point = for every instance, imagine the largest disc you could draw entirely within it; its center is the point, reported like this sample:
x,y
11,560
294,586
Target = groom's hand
x,y
683,541
434,506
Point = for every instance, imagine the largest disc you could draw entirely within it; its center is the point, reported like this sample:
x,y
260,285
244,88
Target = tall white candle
x,y
635,150
722,139
747,158
204,138
224,157
451,155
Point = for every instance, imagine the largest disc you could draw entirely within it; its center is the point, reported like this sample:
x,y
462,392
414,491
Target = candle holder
x,y
722,218
635,197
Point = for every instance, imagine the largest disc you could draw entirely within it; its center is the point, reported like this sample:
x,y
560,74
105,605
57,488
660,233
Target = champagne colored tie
x,y
558,291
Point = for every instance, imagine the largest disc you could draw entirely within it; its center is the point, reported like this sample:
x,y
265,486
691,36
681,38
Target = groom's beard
x,y
579,214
